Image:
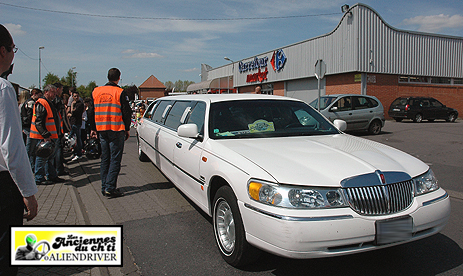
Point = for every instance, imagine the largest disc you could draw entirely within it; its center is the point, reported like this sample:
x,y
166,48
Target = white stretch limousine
x,y
275,175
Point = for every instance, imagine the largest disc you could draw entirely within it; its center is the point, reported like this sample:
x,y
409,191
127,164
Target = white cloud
x,y
189,70
435,23
14,29
130,53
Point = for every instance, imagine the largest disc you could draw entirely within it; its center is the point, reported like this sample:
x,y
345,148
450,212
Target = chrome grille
x,y
381,199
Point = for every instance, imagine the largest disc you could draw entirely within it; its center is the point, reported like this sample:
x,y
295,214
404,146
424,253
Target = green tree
x,y
86,91
179,86
169,85
71,78
50,79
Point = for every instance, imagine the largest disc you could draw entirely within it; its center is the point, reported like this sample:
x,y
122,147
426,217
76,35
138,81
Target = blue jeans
x,y
44,166
76,129
112,147
30,148
59,158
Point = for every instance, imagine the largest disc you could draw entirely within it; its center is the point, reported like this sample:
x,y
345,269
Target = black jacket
x,y
41,117
27,109
76,115
61,109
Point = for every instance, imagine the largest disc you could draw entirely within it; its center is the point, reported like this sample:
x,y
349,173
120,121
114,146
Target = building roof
x,y
152,82
362,42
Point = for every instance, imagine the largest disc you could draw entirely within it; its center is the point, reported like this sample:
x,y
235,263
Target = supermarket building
x,y
363,55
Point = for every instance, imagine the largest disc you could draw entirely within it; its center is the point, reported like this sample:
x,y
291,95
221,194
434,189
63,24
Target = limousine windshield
x,y
265,118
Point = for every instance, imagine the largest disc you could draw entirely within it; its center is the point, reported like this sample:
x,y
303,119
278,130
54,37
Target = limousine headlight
x,y
289,196
425,183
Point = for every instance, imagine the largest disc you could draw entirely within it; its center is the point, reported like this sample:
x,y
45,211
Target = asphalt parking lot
x,y
438,143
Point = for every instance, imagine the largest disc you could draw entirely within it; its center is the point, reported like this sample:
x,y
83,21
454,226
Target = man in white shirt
x,y
17,184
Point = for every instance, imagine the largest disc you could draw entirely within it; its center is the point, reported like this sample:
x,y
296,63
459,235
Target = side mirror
x,y
334,109
340,124
188,131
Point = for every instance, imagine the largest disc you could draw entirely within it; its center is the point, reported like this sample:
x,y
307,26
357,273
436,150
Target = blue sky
x,y
174,49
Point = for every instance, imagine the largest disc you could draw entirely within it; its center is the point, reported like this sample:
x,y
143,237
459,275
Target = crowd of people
x,y
138,110
42,122
73,114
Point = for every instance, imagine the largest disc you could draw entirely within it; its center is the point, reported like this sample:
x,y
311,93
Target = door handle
x,y
179,145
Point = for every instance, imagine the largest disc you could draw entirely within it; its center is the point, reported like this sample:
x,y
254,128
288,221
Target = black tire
x,y
229,230
418,118
375,127
398,119
452,117
141,155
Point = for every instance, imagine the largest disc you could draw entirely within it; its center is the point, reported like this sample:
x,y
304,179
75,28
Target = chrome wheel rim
x,y
139,147
419,118
225,226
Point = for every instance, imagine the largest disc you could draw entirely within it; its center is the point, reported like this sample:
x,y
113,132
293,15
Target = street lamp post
x,y
228,78
40,61
72,76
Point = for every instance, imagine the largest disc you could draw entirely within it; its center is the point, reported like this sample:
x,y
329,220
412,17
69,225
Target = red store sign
x,y
278,62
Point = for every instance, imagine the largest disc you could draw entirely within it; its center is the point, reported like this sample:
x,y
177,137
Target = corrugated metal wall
x,y
363,42
384,49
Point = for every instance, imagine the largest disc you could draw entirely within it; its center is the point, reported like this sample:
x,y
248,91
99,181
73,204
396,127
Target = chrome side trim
x,y
288,218
200,181
426,203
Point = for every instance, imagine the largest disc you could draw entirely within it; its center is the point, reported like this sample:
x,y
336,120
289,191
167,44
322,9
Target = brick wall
x,y
343,84
279,88
383,87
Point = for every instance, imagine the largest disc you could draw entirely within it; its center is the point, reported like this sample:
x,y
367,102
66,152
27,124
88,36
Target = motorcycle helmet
x,y
93,148
69,141
45,149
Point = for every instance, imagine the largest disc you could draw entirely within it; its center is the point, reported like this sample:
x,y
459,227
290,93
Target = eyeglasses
x,y
14,49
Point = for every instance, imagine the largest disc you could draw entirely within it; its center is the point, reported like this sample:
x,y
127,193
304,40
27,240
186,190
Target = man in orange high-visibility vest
x,y
46,125
112,122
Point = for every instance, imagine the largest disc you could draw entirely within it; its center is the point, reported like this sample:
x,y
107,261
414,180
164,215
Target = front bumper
x,y
333,232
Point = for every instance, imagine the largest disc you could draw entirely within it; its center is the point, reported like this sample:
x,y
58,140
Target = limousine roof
x,y
226,97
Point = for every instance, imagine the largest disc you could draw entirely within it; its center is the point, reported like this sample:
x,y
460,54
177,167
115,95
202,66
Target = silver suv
x,y
361,112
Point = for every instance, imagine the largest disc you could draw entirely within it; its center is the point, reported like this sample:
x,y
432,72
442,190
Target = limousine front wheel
x,y
229,230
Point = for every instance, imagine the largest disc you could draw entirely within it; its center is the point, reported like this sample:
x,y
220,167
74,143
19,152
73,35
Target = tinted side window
x,y
361,103
344,104
415,102
425,103
197,116
373,102
161,107
150,110
436,103
175,114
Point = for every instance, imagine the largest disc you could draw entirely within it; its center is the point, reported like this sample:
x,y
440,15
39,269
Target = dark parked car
x,y
421,108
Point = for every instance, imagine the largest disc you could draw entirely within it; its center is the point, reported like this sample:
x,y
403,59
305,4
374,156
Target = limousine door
x,y
161,152
187,157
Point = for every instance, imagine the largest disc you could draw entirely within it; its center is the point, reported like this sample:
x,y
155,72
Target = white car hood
x,y
322,160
